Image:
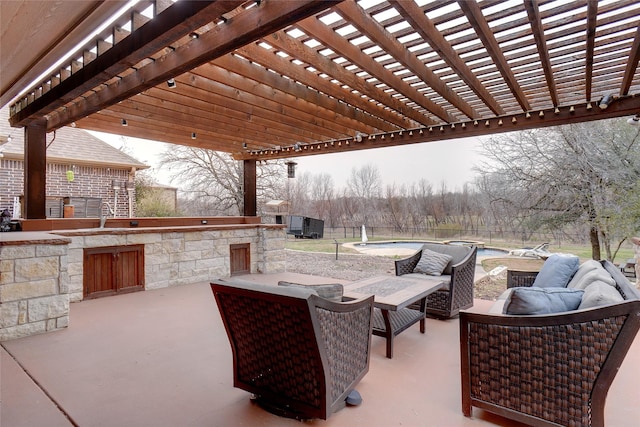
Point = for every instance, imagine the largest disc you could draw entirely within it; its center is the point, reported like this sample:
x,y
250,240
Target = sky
x,y
450,161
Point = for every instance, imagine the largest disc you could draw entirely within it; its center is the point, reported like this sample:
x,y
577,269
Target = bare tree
x,y
365,182
567,175
364,185
297,192
323,195
217,179
421,205
395,207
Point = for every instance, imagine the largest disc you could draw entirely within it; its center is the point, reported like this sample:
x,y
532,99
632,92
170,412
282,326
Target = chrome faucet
x,y
103,218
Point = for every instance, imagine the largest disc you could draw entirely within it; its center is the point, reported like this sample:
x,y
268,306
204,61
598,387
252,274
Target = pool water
x,y
418,245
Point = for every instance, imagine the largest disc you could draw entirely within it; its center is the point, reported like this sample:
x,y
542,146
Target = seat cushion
x,y
536,300
556,271
432,263
330,291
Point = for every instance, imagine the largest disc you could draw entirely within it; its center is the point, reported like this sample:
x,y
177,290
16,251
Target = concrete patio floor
x,y
161,358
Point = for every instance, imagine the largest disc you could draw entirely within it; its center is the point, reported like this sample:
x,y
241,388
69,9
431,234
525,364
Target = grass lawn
x,y
329,246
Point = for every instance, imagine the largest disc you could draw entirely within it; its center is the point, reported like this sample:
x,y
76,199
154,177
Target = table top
x,y
393,292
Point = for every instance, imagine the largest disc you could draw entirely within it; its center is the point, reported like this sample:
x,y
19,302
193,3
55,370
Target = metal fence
x,y
486,236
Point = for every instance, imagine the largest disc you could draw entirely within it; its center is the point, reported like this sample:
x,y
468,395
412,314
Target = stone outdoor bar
x,y
42,271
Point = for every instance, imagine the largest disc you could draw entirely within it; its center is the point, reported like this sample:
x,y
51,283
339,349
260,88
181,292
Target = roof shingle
x,y
66,145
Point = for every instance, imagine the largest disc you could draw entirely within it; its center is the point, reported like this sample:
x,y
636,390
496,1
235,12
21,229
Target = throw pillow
x,y
331,291
542,300
599,275
585,267
556,271
457,252
432,263
600,293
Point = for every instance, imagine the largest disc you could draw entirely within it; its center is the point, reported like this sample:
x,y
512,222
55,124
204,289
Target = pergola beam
x,y
627,105
398,113
538,34
224,38
484,32
376,32
423,25
329,38
170,25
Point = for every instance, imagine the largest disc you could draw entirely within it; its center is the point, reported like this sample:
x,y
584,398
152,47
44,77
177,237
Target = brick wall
x,y
88,182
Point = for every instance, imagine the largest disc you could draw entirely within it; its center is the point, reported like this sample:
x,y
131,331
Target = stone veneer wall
x,y
34,297
38,281
176,258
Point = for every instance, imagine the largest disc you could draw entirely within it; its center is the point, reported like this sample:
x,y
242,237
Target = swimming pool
x,y
417,245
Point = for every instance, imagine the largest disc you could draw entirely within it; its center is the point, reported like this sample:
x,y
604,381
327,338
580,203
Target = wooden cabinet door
x,y
240,258
98,273
130,269
113,269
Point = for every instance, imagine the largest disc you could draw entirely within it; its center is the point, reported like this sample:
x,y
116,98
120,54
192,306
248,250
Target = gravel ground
x,y
356,266
346,267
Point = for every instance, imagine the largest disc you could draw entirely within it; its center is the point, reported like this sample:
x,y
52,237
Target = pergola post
x,y
250,184
35,170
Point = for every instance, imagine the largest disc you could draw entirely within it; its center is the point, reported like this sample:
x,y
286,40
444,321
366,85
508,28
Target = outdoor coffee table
x,y
392,297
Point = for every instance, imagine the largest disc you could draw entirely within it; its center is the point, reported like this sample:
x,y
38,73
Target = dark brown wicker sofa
x,y
459,274
298,353
547,369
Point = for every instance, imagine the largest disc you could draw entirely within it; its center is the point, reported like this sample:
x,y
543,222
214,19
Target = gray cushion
x,y
330,291
584,268
536,300
457,252
498,306
600,293
597,275
556,271
432,263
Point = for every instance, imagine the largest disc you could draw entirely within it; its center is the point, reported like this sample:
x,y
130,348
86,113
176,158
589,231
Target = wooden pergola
x,y
269,79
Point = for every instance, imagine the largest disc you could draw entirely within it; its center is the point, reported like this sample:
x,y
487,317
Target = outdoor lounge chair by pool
x,y
301,355
540,251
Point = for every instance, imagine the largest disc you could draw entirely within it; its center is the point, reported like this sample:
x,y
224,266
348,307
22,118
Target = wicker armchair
x,y
299,354
547,370
520,278
458,295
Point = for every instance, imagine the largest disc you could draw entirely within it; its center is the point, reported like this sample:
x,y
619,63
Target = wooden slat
x,y
479,23
331,39
632,64
427,29
185,16
368,26
441,62
222,39
543,52
324,65
318,96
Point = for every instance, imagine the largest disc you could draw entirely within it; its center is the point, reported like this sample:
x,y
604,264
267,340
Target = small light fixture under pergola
x,y
291,169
